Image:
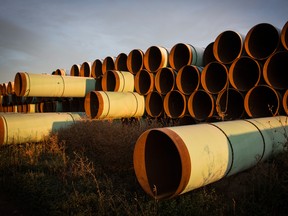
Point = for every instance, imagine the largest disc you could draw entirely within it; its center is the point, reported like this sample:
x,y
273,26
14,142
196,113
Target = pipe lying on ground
x,y
114,105
275,70
135,61
188,79
16,128
154,104
201,105
108,64
228,46
214,77
41,85
285,101
155,58
230,104
175,104
144,82
75,70
185,54
261,101
284,36
165,80
121,62
118,81
244,73
96,69
262,40
174,160
85,69
208,55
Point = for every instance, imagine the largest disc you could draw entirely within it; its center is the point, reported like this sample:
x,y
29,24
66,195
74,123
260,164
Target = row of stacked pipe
x,y
242,80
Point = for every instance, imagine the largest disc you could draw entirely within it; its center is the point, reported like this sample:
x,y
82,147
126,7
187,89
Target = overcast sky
x,y
40,36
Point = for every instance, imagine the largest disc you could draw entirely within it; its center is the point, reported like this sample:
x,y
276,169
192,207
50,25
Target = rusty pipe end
x,y
135,61
110,81
156,57
93,104
188,79
144,82
161,163
175,104
85,69
121,62
75,70
20,84
2,130
154,104
165,80
96,69
108,64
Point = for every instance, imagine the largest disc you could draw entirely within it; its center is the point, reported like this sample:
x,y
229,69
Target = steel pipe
x,y
262,40
174,160
262,101
135,61
144,82
17,128
121,62
285,101
284,36
114,105
188,79
275,70
175,104
154,104
208,55
41,85
108,64
96,69
183,54
165,80
118,81
61,72
75,70
155,58
85,69
245,73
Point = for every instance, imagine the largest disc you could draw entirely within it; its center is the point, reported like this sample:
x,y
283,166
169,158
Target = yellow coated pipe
x,y
144,82
135,61
154,104
41,85
118,81
183,54
155,58
16,128
174,160
114,105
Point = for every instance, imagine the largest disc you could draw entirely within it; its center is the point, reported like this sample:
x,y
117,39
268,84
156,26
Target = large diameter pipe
x,y
208,55
114,105
96,69
245,73
144,82
228,46
183,54
188,79
135,61
75,70
108,64
118,81
174,160
262,101
175,104
16,128
85,69
60,71
154,104
262,40
275,70
214,77
284,36
285,101
165,80
155,58
201,105
121,62
41,85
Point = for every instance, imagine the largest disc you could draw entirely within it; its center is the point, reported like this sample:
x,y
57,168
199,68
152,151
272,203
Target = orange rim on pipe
x,y
96,69
275,70
175,104
262,40
121,62
183,54
75,70
118,81
154,104
214,77
165,80
85,69
155,58
261,101
108,64
228,46
284,36
230,104
188,79
285,101
174,160
135,61
201,105
244,73
144,82
61,72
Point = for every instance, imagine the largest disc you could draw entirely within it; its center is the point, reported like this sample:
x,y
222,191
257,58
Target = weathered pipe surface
x,y
261,101
114,105
144,82
154,104
85,69
118,81
228,46
96,69
284,36
183,54
275,70
135,61
41,85
155,58
121,62
175,104
188,79
201,105
262,40
165,80
75,70
214,77
174,160
245,73
16,128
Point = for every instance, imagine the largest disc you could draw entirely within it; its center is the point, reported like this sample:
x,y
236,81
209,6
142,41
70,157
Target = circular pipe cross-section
x,y
118,81
154,104
155,58
175,104
135,61
165,80
144,82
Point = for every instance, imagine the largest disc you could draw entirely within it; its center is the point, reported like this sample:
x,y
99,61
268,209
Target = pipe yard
x,y
234,90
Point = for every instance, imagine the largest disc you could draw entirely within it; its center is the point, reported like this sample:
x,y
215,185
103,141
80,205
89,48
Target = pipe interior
x,y
166,80
208,55
154,106
154,58
144,81
176,104
86,69
110,81
181,56
97,68
163,164
108,64
189,79
216,77
94,105
2,130
136,61
75,70
122,62
18,84
202,105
